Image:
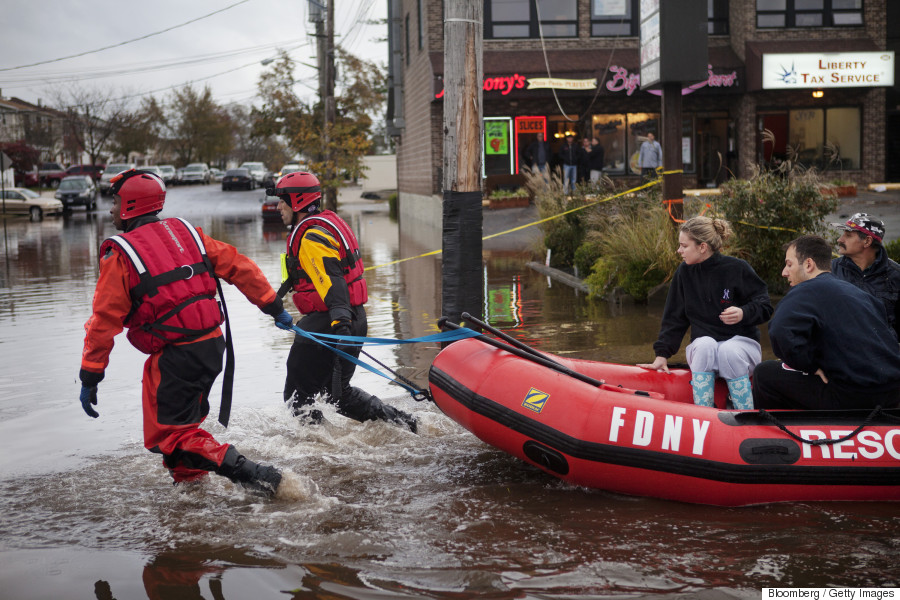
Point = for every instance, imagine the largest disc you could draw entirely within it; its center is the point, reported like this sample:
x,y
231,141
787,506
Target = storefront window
x,y
639,125
827,139
805,135
530,19
621,136
610,131
843,126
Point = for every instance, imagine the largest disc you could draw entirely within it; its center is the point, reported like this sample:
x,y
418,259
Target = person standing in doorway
x,y
650,158
596,160
538,154
571,155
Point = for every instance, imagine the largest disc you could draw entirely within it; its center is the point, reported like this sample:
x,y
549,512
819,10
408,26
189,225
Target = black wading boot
x,y
250,475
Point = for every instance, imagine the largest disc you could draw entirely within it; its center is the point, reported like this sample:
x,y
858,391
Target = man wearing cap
x,y
835,346
865,263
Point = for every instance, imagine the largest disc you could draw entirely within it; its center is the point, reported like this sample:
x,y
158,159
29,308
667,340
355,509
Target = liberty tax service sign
x,y
827,70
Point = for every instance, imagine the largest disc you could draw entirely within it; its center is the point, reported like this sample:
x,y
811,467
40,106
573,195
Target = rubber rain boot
x,y
704,385
250,475
740,392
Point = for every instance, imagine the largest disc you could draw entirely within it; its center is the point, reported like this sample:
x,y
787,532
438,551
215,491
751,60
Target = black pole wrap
x,y
461,266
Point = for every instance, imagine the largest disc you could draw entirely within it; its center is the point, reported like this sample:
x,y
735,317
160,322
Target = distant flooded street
x,y
382,513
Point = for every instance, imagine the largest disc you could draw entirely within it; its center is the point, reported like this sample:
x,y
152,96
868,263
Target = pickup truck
x,y
51,173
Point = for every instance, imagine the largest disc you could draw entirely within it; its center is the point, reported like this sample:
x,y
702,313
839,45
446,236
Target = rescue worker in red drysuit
x,y
158,280
322,244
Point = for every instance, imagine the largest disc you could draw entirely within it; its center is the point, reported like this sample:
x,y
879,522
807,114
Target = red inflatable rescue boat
x,y
630,430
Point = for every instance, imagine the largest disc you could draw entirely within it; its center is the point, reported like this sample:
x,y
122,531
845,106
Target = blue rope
x,y
327,339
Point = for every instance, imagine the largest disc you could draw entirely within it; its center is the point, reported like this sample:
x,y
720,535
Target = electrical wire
x,y
547,65
141,67
144,37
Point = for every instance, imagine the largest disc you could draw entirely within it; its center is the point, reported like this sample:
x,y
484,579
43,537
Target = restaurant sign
x,y
618,80
827,70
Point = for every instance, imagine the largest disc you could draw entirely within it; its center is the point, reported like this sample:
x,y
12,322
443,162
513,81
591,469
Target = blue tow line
x,y
329,339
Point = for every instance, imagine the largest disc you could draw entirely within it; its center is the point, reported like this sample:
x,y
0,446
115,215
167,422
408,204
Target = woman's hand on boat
x,y
660,364
822,376
732,315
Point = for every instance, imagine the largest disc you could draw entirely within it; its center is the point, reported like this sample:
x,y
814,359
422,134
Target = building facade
x,y
805,80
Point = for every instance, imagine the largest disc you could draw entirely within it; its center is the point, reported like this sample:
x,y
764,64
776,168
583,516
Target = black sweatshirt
x,y
698,295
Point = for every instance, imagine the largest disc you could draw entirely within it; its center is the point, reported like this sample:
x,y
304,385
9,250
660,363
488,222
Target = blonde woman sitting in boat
x,y
723,301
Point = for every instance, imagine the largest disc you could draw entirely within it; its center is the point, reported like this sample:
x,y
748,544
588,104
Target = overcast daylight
x,y
151,48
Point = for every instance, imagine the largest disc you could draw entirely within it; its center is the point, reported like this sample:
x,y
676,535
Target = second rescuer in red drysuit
x,y
325,271
158,279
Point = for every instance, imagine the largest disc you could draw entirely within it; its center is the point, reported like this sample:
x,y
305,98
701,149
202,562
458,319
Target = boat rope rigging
x,y
827,442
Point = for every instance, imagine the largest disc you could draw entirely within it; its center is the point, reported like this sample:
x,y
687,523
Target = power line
x,y
144,37
135,68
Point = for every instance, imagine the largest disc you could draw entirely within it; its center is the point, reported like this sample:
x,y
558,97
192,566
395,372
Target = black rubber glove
x,y
88,397
343,329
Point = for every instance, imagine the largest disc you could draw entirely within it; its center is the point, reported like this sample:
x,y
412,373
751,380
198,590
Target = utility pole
x,y
461,264
330,171
323,16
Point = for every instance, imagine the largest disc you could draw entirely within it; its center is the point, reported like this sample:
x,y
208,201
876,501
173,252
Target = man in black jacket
x,y
570,155
865,263
836,348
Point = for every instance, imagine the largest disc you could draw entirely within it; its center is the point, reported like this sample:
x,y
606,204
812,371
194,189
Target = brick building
x,y
818,74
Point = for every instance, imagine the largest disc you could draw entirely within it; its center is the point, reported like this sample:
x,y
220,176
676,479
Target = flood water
x,y
377,512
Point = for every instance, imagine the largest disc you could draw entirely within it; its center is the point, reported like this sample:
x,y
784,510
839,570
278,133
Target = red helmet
x,y
299,189
141,192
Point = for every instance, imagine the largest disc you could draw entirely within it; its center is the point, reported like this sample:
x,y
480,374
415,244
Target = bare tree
x,y
92,117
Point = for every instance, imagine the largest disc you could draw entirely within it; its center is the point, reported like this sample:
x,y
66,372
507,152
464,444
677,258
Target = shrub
x,y
637,242
562,236
771,209
501,194
585,256
893,250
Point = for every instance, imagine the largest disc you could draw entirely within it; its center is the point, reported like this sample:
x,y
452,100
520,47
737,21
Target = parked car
x,y
77,189
153,169
25,178
110,172
196,173
216,174
270,210
26,202
237,179
51,173
168,174
257,171
289,168
269,179
93,171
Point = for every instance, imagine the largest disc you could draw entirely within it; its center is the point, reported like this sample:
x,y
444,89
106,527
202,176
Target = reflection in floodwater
x,y
89,513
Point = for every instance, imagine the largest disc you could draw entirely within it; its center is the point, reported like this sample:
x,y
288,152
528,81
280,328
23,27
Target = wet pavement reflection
x,y
87,512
